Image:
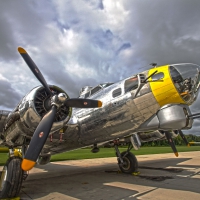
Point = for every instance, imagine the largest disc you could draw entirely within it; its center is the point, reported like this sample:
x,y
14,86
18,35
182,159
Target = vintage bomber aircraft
x,y
151,105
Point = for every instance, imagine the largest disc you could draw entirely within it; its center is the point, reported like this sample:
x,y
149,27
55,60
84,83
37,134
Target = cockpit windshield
x,y
186,79
96,89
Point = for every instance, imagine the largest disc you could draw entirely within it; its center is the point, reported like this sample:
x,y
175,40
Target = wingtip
x,y
27,164
21,50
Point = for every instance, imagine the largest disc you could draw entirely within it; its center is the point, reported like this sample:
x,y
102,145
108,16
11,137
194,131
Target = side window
x,y
131,84
117,92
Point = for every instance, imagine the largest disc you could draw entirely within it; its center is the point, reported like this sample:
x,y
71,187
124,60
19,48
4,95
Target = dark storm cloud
x,y
123,47
164,31
101,4
6,50
20,24
9,98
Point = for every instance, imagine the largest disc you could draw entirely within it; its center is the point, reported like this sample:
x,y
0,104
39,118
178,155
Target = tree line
x,y
178,141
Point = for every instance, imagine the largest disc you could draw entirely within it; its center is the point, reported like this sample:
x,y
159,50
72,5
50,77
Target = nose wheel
x,y
130,163
127,161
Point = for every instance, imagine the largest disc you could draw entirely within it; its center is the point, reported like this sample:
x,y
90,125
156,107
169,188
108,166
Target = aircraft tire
x,y
130,164
11,178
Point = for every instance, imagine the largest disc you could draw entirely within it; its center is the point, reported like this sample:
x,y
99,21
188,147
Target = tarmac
x,y
162,176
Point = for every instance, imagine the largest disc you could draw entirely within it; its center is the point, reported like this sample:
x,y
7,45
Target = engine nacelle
x,y
43,160
169,117
26,116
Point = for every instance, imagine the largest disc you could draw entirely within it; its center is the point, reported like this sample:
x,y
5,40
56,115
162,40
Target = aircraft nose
x,y
186,78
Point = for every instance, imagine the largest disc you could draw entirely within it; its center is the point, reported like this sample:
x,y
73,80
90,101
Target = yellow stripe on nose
x,y
164,91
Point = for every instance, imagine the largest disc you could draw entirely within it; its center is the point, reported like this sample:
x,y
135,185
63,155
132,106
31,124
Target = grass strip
x,y
107,152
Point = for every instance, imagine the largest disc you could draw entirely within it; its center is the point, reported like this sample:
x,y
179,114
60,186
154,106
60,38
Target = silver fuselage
x,y
119,117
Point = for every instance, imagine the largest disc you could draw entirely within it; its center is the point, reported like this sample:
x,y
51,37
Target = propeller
x,y
184,138
42,131
171,142
34,69
39,138
83,103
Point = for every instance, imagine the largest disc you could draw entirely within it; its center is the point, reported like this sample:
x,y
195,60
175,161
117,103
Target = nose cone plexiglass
x,y
186,78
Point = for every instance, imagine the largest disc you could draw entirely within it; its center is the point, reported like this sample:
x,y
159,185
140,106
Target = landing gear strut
x,y
126,160
11,177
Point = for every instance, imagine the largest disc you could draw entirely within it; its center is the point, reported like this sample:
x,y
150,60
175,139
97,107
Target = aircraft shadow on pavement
x,y
89,182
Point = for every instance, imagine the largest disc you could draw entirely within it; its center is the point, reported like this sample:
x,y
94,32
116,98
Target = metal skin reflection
x,y
152,105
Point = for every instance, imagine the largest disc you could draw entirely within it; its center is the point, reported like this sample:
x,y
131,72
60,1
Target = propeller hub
x,y
58,100
62,97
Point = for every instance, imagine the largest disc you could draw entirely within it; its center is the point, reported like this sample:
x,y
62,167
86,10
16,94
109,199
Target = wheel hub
x,y
126,163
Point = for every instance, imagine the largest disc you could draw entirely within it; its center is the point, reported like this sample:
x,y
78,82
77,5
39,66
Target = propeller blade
x,y
184,138
34,68
171,143
83,103
38,140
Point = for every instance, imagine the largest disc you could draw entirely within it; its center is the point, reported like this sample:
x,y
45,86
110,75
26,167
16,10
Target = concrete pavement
x,y
162,176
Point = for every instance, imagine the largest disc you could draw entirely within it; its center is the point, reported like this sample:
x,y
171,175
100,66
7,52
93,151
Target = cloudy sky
x,y
86,42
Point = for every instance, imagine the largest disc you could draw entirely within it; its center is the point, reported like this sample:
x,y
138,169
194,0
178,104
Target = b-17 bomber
x,y
148,106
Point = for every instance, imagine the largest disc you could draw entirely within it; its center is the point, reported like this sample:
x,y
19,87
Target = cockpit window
x,y
104,85
131,84
176,76
96,89
157,76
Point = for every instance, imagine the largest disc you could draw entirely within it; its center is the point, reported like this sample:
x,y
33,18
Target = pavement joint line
x,y
185,168
184,176
26,194
142,193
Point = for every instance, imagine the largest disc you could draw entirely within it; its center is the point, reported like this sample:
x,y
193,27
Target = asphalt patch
x,y
113,171
174,170
156,178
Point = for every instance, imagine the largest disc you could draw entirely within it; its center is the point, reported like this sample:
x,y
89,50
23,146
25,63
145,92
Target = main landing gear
x,y
11,176
126,160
